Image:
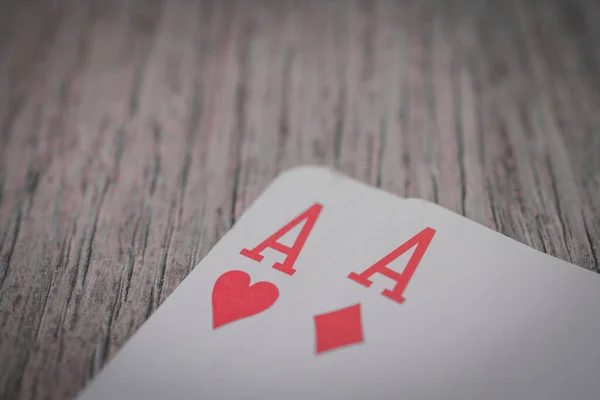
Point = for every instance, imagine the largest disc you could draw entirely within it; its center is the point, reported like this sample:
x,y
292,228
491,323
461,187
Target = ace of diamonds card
x,y
327,288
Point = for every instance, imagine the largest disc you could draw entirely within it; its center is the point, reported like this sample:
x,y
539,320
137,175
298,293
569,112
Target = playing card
x,y
425,304
268,261
390,298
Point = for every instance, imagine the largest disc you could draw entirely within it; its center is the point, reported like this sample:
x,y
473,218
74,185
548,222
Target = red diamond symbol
x,y
338,328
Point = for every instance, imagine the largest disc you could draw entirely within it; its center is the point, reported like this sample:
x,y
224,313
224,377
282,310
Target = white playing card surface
x,y
160,360
483,317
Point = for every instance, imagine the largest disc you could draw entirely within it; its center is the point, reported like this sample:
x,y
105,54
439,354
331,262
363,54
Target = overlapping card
x,y
327,288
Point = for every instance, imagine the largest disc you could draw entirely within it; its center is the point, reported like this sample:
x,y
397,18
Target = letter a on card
x,y
421,240
308,218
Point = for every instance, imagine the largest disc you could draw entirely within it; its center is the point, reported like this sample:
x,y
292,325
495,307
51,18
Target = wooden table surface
x,y
135,133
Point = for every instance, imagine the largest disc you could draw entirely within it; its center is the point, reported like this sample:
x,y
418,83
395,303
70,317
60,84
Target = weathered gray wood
x,y
134,133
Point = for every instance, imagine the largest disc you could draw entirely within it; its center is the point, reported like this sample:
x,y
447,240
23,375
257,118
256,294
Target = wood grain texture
x,y
134,133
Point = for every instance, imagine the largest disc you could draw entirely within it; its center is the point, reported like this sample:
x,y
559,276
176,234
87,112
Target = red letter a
x,y
421,240
310,217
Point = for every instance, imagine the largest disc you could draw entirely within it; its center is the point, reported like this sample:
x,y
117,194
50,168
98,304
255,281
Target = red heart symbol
x,y
234,298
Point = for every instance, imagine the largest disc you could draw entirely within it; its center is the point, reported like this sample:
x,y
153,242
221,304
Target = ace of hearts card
x,y
327,288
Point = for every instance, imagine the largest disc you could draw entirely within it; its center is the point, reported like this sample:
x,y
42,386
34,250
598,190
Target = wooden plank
x,y
133,134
